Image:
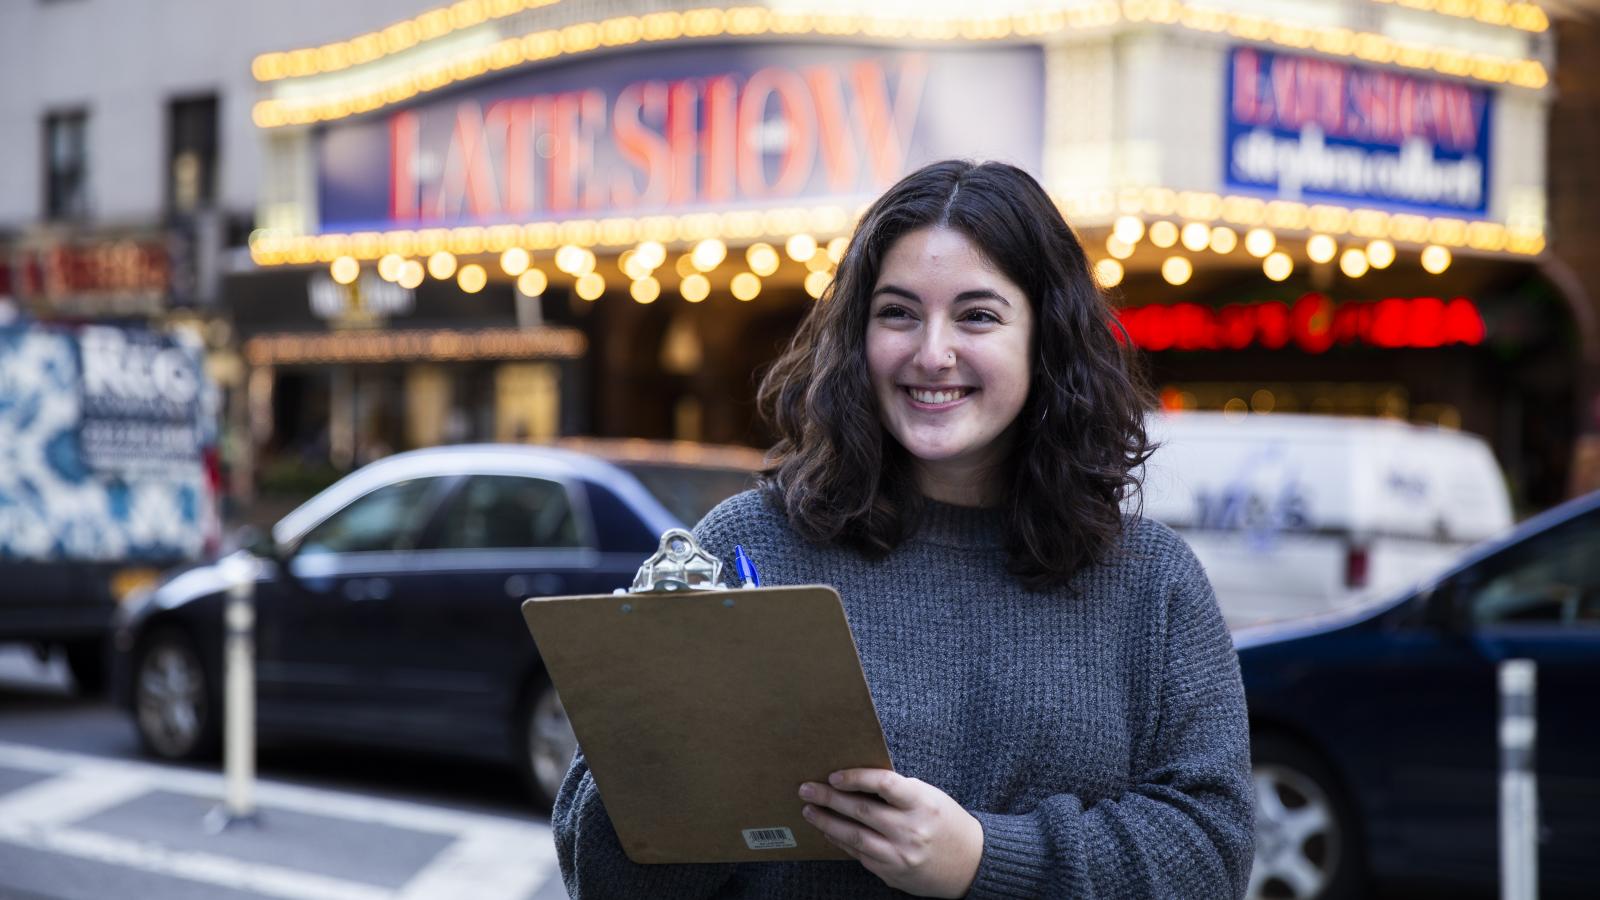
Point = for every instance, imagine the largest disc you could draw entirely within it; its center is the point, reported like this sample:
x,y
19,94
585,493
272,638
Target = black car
x,y
387,608
1375,734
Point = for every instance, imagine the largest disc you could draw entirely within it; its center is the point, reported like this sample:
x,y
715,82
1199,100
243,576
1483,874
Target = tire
x,y
86,660
176,705
1308,842
545,742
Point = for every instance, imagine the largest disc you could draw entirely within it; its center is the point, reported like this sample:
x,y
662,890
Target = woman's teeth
x,y
936,396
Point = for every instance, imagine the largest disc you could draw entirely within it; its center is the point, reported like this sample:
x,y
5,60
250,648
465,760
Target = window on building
x,y
191,153
66,160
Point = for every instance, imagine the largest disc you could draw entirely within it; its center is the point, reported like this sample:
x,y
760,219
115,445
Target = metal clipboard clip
x,y
680,565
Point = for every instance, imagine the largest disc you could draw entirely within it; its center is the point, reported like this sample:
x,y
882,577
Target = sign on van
x,y
139,395
101,432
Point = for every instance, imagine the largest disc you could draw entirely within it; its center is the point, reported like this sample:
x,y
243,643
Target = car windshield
x,y
689,492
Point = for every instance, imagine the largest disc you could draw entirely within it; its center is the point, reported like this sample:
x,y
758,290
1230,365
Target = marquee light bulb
x,y
645,290
633,266
1259,242
651,254
586,263
1163,234
1108,272
745,286
442,265
1321,248
1176,270
709,253
411,274
1277,265
1353,262
1196,236
1435,258
590,286
389,266
695,287
569,259
1224,239
817,283
345,269
763,259
1118,248
514,261
836,248
532,282
1128,229
472,278
1380,253
800,247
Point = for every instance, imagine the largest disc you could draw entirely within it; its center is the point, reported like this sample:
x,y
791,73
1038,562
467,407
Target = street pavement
x,y
76,826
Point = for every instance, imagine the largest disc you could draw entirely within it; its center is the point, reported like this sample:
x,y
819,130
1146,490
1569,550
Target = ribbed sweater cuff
x,y
1015,857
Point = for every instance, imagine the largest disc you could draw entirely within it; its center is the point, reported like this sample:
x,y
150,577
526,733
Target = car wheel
x,y
546,742
86,660
174,703
1306,843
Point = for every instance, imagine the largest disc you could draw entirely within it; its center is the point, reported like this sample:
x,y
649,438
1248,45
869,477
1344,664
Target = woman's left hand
x,y
907,832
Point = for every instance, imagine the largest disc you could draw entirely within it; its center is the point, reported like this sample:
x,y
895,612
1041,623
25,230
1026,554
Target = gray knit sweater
x,y
1098,734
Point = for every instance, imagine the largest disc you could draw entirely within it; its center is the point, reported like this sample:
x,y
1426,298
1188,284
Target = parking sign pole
x,y
239,705
1519,810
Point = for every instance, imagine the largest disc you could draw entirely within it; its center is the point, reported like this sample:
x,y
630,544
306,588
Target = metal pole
x,y
239,722
1519,809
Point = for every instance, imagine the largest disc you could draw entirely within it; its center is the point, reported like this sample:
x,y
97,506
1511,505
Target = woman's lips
x,y
936,397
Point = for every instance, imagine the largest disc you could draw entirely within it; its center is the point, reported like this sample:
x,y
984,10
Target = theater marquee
x,y
678,130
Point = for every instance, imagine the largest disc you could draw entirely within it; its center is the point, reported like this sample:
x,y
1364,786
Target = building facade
x,y
1324,207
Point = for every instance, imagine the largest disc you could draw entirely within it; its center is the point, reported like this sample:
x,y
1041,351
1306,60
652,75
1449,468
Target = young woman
x,y
958,432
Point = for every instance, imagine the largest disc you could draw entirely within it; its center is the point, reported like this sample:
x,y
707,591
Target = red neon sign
x,y
1313,323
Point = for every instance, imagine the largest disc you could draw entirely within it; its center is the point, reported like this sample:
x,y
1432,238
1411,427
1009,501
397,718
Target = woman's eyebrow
x,y
897,291
977,294
981,294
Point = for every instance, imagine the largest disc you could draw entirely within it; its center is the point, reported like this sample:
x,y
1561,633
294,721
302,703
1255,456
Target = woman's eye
x,y
981,315
892,312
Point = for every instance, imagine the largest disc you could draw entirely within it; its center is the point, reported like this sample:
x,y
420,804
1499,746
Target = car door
x,y
1540,600
325,620
462,650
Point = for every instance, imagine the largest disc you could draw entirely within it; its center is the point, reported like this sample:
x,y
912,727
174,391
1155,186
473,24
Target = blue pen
x,y
747,569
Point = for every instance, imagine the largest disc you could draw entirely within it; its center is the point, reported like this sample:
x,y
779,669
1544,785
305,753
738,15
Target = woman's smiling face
x,y
949,352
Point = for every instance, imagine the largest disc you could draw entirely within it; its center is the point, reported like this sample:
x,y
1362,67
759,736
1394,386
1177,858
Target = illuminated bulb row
x,y
639,264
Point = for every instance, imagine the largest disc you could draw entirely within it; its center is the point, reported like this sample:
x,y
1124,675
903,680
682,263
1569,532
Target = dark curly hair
x,y
840,475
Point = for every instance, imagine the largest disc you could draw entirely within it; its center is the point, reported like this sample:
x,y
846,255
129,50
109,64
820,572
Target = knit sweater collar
x,y
966,527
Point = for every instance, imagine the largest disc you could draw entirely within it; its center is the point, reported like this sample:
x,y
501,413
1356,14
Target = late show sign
x,y
675,130
1310,128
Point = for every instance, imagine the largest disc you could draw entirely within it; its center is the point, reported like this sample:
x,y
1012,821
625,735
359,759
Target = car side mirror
x,y
257,543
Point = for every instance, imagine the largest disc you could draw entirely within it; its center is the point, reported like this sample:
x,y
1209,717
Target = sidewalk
x,y
75,826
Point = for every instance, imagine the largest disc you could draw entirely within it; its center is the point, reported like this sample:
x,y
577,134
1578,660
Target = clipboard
x,y
701,710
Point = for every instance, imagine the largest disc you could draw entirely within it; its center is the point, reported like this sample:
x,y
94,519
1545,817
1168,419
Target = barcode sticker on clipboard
x,y
768,838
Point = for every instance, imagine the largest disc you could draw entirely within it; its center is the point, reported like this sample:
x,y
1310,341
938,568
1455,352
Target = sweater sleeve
x,y
593,863
1185,825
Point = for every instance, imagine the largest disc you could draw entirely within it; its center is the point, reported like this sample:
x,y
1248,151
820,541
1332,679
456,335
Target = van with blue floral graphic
x,y
107,477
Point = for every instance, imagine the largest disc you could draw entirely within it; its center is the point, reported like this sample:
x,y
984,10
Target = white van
x,y
1300,514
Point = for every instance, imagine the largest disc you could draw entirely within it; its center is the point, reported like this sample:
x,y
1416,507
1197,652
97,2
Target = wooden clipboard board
x,y
701,712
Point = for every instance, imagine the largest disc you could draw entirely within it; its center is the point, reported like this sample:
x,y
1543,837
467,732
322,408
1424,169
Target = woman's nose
x,y
935,352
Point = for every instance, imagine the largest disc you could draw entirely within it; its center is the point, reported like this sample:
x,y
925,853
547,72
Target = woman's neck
x,y
962,485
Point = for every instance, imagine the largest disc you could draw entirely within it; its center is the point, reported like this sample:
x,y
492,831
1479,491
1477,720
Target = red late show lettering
x,y
796,128
646,150
508,127
468,172
1368,105
403,182
776,133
